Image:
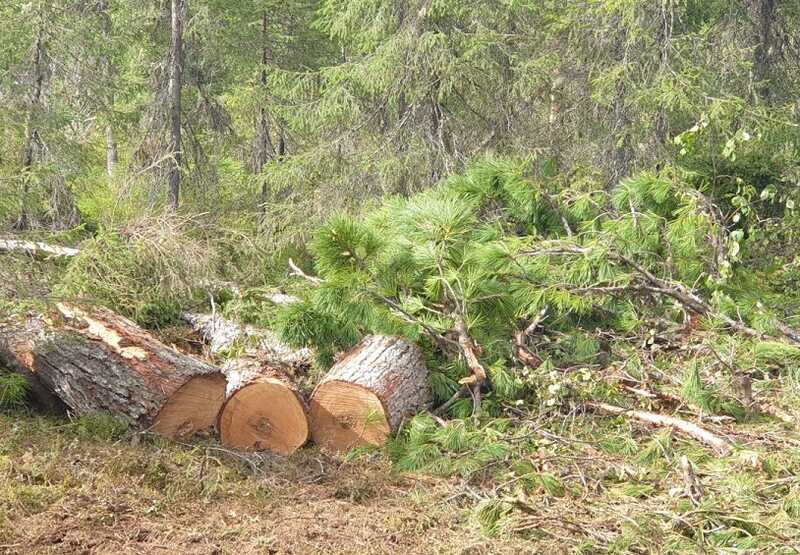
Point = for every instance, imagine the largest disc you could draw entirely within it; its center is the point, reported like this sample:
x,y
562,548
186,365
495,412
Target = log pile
x,y
85,360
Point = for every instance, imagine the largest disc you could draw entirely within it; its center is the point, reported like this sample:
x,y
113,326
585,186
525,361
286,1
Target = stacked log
x,y
368,393
264,409
95,360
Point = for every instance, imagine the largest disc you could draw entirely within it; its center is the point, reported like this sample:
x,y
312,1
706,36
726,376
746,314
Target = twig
x,y
296,271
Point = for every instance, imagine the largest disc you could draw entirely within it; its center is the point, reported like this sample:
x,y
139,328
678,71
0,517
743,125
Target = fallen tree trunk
x,y
95,360
264,409
222,334
720,445
367,394
36,248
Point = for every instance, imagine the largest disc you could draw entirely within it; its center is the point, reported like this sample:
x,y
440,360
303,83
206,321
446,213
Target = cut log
x,y
368,393
264,409
95,360
222,334
35,248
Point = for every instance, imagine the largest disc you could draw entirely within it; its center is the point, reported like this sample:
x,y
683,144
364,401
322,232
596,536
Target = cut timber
x,y
264,410
222,334
35,248
95,360
366,395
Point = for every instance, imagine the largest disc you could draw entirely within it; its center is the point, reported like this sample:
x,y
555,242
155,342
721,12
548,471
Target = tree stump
x,y
264,409
367,394
95,360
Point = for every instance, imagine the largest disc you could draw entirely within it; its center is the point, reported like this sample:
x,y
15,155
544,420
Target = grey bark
x,y
175,88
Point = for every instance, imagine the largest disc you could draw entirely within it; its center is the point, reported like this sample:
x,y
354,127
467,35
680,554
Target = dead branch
x,y
720,445
296,271
35,248
692,487
521,349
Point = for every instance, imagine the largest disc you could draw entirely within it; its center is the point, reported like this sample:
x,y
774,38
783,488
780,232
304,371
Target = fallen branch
x,y
478,377
720,445
35,248
654,284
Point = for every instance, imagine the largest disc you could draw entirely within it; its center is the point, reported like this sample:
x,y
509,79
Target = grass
x,y
91,486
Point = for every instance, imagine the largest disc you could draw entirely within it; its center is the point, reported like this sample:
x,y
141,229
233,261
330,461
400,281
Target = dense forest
x,y
523,275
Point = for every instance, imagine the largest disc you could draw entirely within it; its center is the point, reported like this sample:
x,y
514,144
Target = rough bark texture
x,y
95,360
222,334
264,409
368,393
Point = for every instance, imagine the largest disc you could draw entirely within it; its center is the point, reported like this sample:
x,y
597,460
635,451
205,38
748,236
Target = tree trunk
x,y
368,393
264,148
175,86
95,360
108,72
765,47
24,221
264,409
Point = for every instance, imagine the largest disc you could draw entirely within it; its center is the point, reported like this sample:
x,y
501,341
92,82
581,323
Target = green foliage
x,y
695,392
455,449
13,390
149,273
100,426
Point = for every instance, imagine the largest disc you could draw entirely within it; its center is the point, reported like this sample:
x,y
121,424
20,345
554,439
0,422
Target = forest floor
x,y
73,488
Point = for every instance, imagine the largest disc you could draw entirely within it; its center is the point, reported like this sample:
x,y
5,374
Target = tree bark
x,y
175,87
24,221
222,334
264,409
95,360
367,394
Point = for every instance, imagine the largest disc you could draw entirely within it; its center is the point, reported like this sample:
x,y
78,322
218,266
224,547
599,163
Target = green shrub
x,y
147,272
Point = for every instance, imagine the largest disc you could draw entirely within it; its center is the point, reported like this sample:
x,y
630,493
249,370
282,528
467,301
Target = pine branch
x,y
685,296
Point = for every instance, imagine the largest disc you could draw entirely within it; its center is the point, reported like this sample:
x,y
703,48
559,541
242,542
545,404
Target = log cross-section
x,y
367,394
95,360
264,409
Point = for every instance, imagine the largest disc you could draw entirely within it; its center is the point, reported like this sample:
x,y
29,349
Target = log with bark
x,y
95,360
368,393
264,409
222,334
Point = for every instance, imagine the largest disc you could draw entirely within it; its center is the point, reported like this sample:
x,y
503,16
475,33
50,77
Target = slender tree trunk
x,y
24,221
264,147
111,150
764,52
111,143
175,86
